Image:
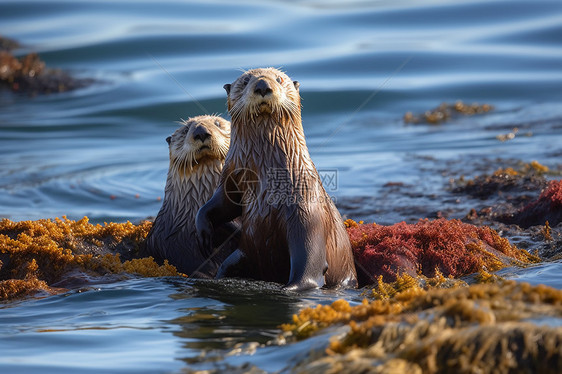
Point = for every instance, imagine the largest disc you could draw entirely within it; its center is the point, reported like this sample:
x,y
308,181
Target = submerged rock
x,y
29,74
8,44
547,209
521,195
516,184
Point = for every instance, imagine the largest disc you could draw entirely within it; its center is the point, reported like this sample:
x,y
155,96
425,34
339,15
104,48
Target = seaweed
x,y
547,209
29,74
526,178
445,112
481,328
35,255
429,248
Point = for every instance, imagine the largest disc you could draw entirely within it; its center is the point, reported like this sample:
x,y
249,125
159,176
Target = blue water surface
x,y
100,151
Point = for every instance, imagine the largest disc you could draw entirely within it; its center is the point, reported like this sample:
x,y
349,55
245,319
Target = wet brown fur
x,y
267,135
193,175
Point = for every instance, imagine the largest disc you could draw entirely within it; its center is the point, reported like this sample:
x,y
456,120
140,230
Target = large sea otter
x,y
291,230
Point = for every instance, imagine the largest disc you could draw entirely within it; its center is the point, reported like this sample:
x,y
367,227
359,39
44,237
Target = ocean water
x,y
101,151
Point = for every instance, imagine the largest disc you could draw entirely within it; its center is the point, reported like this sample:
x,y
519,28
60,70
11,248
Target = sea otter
x,y
197,153
291,230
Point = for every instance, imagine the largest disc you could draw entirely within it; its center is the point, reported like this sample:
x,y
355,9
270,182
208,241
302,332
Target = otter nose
x,y
201,133
262,88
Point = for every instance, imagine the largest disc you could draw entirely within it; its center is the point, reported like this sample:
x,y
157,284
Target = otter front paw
x,y
204,234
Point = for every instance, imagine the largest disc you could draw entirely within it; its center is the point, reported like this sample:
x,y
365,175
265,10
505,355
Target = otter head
x,y
263,92
201,140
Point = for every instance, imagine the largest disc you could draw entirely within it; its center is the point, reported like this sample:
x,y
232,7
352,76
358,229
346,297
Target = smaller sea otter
x,y
197,153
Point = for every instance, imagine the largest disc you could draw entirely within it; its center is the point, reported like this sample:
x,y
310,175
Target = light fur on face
x,y
187,152
197,153
284,102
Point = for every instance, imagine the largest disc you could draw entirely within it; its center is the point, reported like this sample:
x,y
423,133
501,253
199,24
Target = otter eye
x,y
169,140
279,80
218,124
246,80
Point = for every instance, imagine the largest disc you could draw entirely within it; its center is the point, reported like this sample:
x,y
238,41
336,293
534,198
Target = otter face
x,y
200,140
268,92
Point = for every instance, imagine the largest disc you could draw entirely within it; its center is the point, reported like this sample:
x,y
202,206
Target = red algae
x,y
548,207
36,254
448,247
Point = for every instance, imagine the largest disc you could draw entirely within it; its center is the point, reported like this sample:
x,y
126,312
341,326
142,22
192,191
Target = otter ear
x,y
227,88
297,84
169,140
